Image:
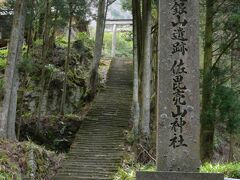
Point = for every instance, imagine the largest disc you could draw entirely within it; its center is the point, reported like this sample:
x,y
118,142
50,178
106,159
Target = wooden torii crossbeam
x,y
114,23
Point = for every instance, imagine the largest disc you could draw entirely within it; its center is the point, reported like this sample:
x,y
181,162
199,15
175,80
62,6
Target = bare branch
x,y
147,153
223,51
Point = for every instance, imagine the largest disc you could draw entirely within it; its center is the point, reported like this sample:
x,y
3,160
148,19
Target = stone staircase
x,y
98,147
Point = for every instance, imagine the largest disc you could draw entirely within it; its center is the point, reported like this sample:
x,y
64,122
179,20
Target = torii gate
x,y
114,23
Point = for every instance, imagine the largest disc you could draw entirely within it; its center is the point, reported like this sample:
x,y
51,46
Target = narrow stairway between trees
x,y
99,145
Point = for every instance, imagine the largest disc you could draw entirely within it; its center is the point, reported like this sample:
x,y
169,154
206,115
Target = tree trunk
x,y
8,114
40,25
146,78
98,49
136,110
63,102
105,17
53,34
30,29
231,133
44,60
139,31
140,51
207,121
231,147
24,85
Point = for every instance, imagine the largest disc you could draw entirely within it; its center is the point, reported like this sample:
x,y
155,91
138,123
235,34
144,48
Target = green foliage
x,y
3,64
11,172
126,4
227,103
27,65
129,172
15,160
229,17
230,170
38,43
129,136
86,39
124,44
51,68
3,58
61,41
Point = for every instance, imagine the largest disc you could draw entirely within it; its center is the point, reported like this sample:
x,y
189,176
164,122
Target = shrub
x,y
230,170
61,41
85,38
128,172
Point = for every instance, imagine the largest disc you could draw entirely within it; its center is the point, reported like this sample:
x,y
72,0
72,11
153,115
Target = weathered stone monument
x,y
178,149
178,93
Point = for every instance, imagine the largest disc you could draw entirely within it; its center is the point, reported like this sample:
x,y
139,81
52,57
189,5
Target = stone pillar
x,y
114,40
178,123
178,120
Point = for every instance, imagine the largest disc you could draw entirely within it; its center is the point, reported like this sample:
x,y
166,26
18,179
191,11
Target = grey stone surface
x,y
185,62
177,176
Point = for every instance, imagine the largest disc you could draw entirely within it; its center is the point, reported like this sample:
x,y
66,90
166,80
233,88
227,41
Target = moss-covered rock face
x,y
26,159
54,78
55,132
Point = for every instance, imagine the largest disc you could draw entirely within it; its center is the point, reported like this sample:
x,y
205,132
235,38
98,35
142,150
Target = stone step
x,y
94,155
104,172
91,164
99,170
83,176
100,138
78,158
76,178
98,147
87,173
102,150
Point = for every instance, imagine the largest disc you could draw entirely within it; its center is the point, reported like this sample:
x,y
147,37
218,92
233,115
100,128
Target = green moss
x,y
69,117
